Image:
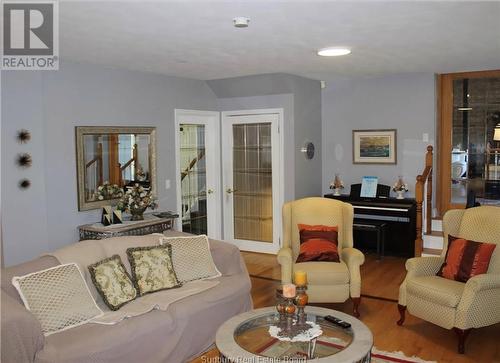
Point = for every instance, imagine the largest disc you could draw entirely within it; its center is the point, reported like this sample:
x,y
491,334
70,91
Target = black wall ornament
x,y
23,136
24,184
24,160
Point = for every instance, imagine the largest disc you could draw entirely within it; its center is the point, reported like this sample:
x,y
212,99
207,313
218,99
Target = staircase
x,y
429,240
433,241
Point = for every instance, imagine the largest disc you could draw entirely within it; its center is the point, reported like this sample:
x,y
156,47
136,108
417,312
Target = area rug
x,y
379,356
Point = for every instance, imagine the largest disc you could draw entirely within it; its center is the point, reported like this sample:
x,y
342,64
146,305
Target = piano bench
x,y
373,226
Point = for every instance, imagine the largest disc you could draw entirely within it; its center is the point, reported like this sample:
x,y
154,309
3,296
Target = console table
x,y
150,224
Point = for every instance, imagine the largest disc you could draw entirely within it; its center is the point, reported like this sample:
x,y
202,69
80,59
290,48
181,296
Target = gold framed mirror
x,y
109,159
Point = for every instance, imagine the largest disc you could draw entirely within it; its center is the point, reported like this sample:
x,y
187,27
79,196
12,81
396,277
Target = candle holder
x,y
280,306
301,301
290,314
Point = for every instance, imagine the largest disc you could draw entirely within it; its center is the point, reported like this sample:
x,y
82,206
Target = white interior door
x,y
251,181
198,172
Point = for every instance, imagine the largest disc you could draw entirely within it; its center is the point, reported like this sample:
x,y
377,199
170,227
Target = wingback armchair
x,y
453,304
327,281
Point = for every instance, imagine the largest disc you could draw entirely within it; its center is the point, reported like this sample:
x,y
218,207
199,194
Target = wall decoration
x,y
308,150
374,147
106,215
24,183
23,136
24,160
110,158
117,216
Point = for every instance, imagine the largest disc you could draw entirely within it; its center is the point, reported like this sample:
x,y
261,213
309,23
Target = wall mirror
x,y
111,158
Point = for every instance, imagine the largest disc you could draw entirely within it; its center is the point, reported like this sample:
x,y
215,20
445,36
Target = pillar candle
x,y
289,290
300,278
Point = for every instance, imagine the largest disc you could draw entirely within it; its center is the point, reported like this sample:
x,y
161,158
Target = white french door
x,y
251,180
197,140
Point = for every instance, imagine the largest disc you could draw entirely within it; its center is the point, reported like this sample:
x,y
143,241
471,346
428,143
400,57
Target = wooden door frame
x,y
444,131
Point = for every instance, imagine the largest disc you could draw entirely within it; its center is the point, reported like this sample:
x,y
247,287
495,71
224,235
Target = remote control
x,y
336,321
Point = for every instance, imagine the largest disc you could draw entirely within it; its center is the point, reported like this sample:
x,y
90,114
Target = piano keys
x,y
400,215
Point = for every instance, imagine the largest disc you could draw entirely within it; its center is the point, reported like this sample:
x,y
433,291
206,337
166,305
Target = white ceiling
x,y
196,39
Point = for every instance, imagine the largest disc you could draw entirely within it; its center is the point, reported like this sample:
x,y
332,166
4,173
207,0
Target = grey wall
x,y
302,123
50,104
404,102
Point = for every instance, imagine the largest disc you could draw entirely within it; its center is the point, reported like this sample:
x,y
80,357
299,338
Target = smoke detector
x,y
241,22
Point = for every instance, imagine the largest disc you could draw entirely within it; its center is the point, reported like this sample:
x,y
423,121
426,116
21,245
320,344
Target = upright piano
x,y
400,217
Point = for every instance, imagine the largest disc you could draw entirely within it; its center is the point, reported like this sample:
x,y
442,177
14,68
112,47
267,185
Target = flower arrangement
x,y
136,200
108,191
400,185
337,183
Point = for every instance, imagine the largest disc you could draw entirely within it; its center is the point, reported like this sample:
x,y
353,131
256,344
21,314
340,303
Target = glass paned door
x,y
193,178
475,140
251,181
198,170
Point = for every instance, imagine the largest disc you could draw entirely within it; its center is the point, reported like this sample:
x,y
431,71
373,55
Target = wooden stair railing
x,y
193,162
98,161
128,163
424,186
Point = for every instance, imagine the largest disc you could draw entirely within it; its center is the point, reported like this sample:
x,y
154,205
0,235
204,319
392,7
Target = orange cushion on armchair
x,y
318,243
465,259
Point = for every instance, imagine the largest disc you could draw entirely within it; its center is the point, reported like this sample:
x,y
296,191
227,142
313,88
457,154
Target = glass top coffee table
x,y
246,338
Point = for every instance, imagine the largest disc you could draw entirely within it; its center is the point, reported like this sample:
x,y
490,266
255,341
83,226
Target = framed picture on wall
x,y
374,146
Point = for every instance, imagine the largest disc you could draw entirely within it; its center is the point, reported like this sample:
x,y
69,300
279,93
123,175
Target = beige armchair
x,y
453,304
327,281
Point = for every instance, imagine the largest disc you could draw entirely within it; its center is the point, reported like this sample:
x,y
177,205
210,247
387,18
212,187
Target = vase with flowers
x,y
136,200
400,187
108,191
337,185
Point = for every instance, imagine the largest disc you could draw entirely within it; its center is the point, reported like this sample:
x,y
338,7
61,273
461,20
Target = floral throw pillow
x,y
152,268
113,282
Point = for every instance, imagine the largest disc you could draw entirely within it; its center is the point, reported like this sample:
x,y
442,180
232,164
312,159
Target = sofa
x,y
181,332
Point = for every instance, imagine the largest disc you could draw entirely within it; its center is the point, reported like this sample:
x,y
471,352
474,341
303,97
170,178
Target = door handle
x,y
229,190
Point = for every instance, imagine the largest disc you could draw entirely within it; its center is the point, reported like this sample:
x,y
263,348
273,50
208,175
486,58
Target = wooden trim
x,y
474,74
444,129
424,179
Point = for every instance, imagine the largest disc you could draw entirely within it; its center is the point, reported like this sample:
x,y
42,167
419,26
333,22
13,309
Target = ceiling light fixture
x,y
464,109
333,52
241,22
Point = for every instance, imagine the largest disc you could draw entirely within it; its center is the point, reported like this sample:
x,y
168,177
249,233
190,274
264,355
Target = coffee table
x,y
245,338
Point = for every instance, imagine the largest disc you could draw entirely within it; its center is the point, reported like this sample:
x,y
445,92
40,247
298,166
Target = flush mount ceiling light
x,y
333,52
464,109
241,22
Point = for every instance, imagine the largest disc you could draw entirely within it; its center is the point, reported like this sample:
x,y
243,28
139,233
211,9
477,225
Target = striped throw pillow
x,y
465,259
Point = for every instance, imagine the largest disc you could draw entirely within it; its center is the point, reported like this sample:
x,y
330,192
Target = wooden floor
x,y
380,284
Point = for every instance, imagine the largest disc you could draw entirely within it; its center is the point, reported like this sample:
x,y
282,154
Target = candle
x,y
300,278
289,290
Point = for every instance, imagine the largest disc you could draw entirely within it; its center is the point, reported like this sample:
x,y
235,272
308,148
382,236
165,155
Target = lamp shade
x,y
496,135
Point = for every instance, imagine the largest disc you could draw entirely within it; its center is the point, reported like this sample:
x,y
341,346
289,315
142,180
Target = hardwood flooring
x,y
380,284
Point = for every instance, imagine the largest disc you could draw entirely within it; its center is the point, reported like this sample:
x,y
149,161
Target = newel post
x,y
419,191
